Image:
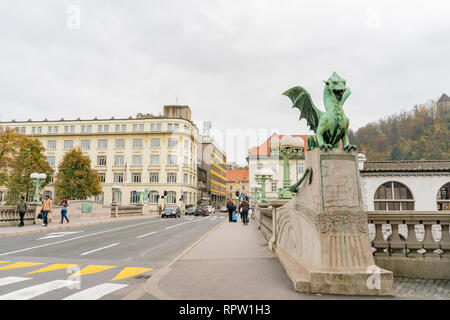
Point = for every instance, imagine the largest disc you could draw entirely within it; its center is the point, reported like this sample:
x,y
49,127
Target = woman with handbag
x,y
64,204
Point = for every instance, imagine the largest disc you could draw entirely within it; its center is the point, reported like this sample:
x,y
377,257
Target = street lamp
x,y
37,179
261,177
115,194
289,147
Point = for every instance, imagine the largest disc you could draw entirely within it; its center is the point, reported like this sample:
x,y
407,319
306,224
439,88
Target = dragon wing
x,y
302,101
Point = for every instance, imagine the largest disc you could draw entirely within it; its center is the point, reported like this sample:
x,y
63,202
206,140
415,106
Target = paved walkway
x,y
233,262
55,226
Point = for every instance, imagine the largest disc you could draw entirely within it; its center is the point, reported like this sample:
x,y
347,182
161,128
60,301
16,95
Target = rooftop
x,y
237,175
406,165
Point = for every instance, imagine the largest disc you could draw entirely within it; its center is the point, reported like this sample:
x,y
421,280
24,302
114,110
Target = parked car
x,y
201,211
174,212
223,209
190,211
210,209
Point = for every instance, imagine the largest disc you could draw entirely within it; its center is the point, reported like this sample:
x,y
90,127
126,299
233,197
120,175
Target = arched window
x,y
393,196
171,197
134,197
443,198
119,197
153,197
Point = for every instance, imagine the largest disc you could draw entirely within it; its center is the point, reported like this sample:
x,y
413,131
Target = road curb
x,y
151,285
68,227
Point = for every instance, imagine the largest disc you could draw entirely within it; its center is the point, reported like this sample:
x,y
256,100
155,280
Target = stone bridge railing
x,y
119,211
9,216
411,244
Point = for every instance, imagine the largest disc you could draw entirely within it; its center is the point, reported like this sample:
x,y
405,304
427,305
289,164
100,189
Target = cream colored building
x,y
158,153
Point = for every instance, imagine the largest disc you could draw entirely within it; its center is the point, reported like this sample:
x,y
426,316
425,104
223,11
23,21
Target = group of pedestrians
x,y
243,210
45,212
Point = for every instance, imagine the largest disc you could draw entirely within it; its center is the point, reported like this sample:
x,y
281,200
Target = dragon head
x,y
336,85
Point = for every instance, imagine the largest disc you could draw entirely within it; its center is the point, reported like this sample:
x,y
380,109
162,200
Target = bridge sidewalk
x,y
232,262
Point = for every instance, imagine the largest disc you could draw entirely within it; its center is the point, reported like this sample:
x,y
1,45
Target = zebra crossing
x,y
12,286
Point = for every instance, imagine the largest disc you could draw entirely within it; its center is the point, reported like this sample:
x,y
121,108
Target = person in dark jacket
x,y
64,204
244,207
22,208
230,208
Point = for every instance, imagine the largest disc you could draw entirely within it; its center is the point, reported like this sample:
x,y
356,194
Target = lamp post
x,y
289,147
37,179
261,177
115,194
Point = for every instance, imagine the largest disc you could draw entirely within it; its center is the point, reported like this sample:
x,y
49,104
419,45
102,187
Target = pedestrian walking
x,y
64,204
230,208
46,209
244,211
22,208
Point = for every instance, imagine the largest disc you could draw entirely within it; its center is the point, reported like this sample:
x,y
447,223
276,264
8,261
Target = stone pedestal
x,y
321,234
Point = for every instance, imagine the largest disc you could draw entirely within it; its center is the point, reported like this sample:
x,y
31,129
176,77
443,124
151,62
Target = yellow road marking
x,y
20,265
57,266
130,272
92,269
4,261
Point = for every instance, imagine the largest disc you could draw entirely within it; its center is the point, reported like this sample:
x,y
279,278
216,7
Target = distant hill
x,y
422,133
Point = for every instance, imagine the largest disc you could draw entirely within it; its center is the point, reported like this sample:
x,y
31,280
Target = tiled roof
x,y
443,98
237,175
264,149
407,165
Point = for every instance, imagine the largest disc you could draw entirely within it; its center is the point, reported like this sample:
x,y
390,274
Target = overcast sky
x,y
228,60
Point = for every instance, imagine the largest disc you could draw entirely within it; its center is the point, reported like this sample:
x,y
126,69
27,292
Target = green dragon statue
x,y
330,126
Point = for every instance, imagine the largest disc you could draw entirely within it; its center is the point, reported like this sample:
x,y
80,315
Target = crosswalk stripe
x,y
18,265
130,272
91,269
96,292
10,280
34,291
53,267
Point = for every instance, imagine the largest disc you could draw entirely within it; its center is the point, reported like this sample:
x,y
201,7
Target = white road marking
x,y
58,234
181,224
111,245
80,237
96,292
11,280
147,234
34,291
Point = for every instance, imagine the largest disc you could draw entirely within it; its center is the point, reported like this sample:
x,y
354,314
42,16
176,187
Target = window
x,y
169,127
154,177
51,161
393,196
185,178
106,128
124,128
171,177
23,130
231,187
153,197
66,129
55,129
119,160
85,144
117,127
186,161
102,177
50,129
68,144
118,177
51,145
171,197
260,166
443,198
100,128
119,197
89,128
155,142
172,143
154,160
39,130
101,160
134,197
172,159
120,143
137,143
72,129
176,127
155,127
33,130
274,186
136,177
102,144
83,128
301,167
186,145
136,160
274,167
135,127
141,127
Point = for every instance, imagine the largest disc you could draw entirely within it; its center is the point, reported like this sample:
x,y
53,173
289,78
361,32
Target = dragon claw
x,y
349,147
326,146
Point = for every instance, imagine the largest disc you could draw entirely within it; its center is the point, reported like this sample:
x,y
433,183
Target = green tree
x,y
28,157
75,178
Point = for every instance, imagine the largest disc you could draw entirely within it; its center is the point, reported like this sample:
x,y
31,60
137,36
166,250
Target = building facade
x,y
213,161
237,180
158,153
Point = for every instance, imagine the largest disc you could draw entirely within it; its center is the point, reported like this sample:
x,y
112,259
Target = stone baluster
x,y
412,244
396,243
445,240
379,243
428,242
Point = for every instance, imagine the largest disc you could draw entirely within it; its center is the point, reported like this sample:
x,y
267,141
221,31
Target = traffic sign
x,y
243,195
237,186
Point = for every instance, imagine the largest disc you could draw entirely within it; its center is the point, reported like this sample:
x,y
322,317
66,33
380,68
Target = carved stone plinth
x,y
321,234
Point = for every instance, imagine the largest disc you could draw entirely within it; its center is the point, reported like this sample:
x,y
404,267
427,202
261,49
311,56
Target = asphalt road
x,y
97,262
